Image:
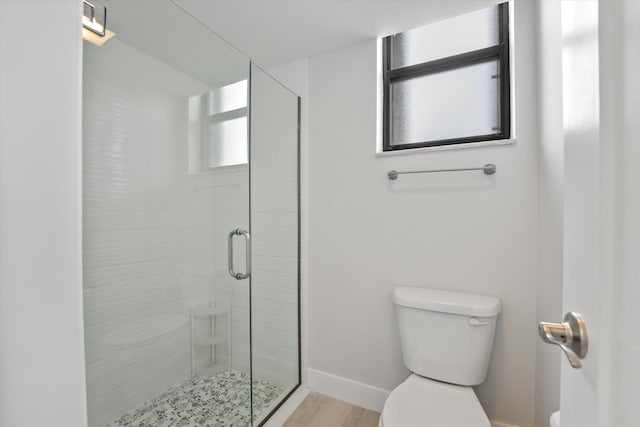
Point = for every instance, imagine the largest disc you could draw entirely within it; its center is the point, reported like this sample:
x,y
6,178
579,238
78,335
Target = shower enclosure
x,y
190,226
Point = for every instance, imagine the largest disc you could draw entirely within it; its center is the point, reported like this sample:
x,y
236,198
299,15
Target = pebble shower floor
x,y
219,400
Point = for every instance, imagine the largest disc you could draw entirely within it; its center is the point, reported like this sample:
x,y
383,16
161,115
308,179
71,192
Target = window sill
x,y
469,145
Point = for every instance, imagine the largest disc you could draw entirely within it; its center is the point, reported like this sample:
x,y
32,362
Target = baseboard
x,y
357,393
353,392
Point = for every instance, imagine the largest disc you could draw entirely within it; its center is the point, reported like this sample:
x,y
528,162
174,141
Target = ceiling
x,y
275,32
128,19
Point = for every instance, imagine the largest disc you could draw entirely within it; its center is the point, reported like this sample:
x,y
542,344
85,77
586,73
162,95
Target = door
x,y
601,100
274,217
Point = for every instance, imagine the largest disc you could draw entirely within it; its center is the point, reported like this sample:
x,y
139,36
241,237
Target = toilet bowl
x,y
446,342
421,402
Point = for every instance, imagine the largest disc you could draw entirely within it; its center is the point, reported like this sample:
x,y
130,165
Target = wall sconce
x,y
94,18
94,23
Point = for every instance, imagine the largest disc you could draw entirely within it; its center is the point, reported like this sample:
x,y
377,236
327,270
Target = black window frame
x,y
499,52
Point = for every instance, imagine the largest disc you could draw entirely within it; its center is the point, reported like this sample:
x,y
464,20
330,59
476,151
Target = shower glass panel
x,y
274,227
166,182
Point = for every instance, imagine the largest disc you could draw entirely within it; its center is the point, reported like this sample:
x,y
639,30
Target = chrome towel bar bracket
x,y
488,169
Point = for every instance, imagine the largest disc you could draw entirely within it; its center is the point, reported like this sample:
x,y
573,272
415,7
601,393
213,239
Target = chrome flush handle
x,y
570,336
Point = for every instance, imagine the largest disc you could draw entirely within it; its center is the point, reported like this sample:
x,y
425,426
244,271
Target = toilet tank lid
x,y
452,302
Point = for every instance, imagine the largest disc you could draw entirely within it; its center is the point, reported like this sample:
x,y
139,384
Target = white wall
x,y
454,231
41,361
550,209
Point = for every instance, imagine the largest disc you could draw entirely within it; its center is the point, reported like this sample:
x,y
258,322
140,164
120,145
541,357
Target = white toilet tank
x,y
446,335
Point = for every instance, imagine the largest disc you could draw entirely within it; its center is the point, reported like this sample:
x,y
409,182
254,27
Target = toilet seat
x,y
421,402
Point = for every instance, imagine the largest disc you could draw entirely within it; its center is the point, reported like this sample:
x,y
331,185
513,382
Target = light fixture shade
x,y
94,18
94,23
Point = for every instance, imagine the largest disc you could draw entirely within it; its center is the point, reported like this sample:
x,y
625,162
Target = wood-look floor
x,y
317,410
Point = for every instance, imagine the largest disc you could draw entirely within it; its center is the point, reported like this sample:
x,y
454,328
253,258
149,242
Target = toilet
x,y
446,341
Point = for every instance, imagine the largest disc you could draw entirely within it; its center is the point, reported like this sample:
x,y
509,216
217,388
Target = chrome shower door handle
x,y
570,336
247,236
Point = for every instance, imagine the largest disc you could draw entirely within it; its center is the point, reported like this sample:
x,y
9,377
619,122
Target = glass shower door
x,y
190,226
274,154
165,181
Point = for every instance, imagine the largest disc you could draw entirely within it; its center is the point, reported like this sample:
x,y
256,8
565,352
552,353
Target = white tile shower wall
x,y
132,228
154,236
461,231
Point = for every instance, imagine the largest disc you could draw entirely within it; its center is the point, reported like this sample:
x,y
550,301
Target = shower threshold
x,y
218,400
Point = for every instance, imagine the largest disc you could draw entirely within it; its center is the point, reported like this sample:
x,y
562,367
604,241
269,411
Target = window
x,y
448,82
218,128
